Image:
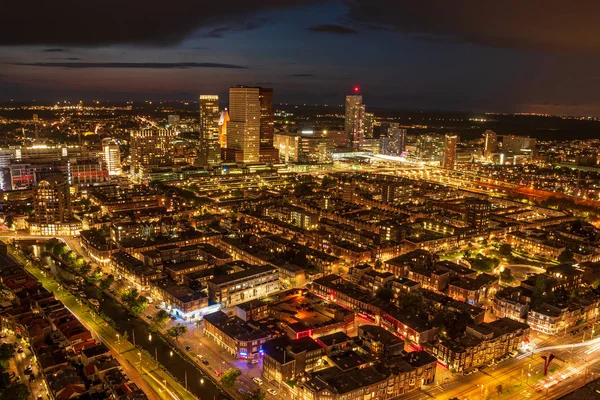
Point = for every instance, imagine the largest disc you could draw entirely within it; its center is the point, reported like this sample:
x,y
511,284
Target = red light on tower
x,y
356,89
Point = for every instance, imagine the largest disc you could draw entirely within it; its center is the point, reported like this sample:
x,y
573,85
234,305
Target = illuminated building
x,y
52,208
478,214
430,147
223,121
369,125
449,160
112,156
242,286
266,117
490,144
354,122
150,147
243,130
396,140
173,120
210,149
518,144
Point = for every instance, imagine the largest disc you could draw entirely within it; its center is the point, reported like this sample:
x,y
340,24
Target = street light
x,y
118,341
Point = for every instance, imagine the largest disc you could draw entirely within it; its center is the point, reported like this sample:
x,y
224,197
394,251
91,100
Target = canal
x,y
198,382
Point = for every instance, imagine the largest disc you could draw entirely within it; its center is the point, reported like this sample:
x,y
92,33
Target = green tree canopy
x,y
229,377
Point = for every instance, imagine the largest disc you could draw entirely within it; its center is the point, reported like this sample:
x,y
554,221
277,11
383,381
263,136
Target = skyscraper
x,y
51,205
111,154
490,144
223,121
430,147
243,130
369,125
397,139
210,149
173,120
266,117
354,122
150,147
449,160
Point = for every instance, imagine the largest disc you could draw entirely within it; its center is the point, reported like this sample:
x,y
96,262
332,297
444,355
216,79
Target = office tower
x,y
354,122
430,147
173,120
223,121
210,149
396,139
243,130
478,213
111,154
490,144
449,160
267,117
369,125
51,201
151,147
518,144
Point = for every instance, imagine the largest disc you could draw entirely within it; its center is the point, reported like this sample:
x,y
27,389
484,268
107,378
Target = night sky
x,y
526,56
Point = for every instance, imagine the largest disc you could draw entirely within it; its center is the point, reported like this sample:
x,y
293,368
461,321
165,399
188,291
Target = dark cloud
x,y
301,75
83,65
335,29
131,22
549,25
66,58
54,50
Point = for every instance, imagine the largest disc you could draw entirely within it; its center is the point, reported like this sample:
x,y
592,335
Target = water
x,y
176,364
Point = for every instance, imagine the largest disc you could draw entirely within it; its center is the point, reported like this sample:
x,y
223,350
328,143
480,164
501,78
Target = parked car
x,y
205,361
242,391
254,362
188,347
272,391
258,381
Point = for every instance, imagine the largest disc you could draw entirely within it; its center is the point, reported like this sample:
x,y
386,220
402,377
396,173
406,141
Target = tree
x,y
139,305
537,295
258,394
566,256
229,378
176,331
161,318
16,391
412,303
499,390
107,282
506,275
303,189
7,350
130,295
85,269
385,293
505,249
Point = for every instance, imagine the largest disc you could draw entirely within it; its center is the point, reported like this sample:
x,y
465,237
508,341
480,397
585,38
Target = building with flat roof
x,y
235,335
239,287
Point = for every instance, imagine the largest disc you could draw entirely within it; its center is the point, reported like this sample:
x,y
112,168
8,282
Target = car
x,y
173,318
242,391
272,391
258,381
149,316
205,361
28,370
20,349
188,347
254,362
218,372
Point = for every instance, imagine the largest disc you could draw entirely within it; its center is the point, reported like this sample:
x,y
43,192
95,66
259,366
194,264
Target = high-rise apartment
x,y
430,147
243,130
52,208
210,149
490,144
267,117
223,121
111,154
354,122
449,160
151,147
397,139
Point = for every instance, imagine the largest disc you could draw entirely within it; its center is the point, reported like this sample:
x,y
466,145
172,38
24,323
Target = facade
x,y
243,130
354,122
267,117
150,147
482,344
112,156
490,144
239,287
236,336
223,121
210,149
478,214
52,208
430,147
285,359
396,140
449,160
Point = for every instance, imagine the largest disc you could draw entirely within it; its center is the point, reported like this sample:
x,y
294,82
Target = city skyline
x,y
438,57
